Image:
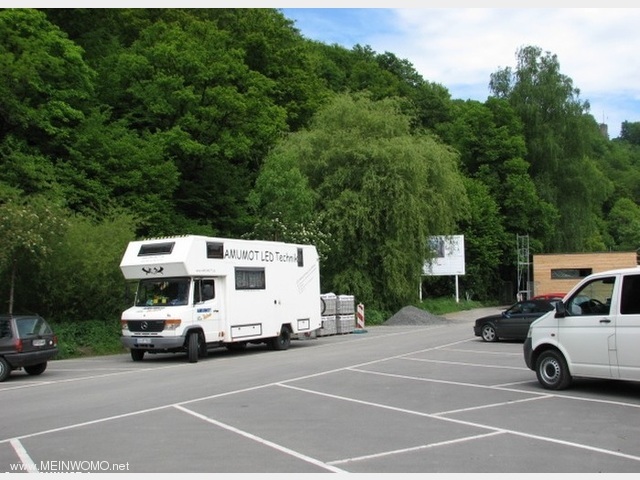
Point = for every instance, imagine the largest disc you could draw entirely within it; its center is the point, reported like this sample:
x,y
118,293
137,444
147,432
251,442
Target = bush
x,y
87,338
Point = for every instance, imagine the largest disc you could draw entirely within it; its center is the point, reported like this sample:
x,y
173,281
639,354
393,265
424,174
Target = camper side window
x,y
250,279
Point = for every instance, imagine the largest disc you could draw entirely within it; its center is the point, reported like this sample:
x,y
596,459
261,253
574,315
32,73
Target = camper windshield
x,y
163,292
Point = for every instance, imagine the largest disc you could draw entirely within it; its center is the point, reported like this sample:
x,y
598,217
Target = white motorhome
x,y
196,292
594,332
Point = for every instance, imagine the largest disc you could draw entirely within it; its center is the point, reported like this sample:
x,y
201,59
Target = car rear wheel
x,y
489,333
36,369
5,369
552,371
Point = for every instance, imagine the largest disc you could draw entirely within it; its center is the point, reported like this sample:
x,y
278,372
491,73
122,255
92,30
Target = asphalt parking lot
x,y
393,399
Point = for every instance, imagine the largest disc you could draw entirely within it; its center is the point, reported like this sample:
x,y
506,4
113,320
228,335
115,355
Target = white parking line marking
x,y
413,449
255,438
500,353
466,364
28,464
474,424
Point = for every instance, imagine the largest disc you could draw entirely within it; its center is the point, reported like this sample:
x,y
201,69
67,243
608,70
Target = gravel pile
x,y
415,316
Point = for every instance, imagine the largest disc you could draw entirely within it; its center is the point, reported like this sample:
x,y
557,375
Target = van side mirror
x,y
561,310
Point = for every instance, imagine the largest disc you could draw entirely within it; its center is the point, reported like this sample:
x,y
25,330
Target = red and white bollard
x,y
360,318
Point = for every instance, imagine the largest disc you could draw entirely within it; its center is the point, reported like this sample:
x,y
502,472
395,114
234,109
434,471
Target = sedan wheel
x,y
489,333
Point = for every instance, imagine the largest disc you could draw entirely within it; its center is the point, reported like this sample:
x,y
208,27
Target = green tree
x,y
630,132
30,229
624,224
560,137
190,83
490,138
381,192
45,90
82,279
486,243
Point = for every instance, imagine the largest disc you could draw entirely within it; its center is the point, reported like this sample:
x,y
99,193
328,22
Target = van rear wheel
x,y
552,371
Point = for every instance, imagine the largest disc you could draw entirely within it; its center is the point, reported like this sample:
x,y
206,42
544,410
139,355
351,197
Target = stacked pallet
x,y
338,314
346,321
329,313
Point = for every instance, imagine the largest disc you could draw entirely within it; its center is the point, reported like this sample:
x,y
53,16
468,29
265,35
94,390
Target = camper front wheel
x,y
282,341
137,354
193,347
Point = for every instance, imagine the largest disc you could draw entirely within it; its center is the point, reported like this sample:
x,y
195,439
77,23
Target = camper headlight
x,y
124,325
172,323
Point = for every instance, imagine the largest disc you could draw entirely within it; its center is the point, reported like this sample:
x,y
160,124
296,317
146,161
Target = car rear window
x,y
5,329
32,326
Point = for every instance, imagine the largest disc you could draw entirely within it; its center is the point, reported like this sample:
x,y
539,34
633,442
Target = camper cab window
x,y
162,292
204,290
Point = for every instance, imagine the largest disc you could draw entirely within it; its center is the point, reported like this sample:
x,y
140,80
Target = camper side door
x,y
207,313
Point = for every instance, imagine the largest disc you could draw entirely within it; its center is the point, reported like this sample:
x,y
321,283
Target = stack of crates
x,y
328,314
346,322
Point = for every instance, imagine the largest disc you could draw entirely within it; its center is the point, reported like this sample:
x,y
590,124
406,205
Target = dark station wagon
x,y
513,323
26,342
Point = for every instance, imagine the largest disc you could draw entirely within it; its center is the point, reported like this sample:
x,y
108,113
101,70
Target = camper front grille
x,y
145,325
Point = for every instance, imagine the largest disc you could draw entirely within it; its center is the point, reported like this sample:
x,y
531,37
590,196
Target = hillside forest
x,y
121,124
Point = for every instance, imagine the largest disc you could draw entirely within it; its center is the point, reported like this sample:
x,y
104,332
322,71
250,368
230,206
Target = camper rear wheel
x,y
282,341
193,347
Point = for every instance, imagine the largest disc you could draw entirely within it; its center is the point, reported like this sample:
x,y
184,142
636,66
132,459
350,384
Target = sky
x,y
459,48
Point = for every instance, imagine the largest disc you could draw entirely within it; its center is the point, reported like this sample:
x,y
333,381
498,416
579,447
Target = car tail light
x,y
55,340
18,345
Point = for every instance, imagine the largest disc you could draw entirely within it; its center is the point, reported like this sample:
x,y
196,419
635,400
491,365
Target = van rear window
x,y
630,303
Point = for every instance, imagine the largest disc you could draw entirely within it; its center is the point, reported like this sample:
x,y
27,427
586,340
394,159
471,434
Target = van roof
x,y
617,271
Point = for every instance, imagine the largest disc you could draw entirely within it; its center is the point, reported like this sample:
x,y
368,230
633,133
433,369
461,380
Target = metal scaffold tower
x,y
523,267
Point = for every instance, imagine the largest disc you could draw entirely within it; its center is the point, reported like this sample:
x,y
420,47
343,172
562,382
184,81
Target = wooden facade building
x,y
559,273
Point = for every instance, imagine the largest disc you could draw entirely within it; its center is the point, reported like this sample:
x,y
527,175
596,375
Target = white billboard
x,y
448,256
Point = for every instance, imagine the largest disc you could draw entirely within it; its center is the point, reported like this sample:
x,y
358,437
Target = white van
x,y
594,332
